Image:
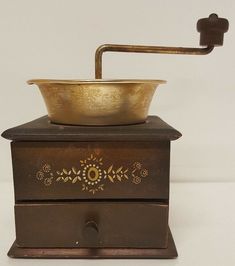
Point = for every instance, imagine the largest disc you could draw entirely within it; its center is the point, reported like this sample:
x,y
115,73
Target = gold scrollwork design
x,y
92,174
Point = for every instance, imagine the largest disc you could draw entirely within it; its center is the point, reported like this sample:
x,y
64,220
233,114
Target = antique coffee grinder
x,y
91,179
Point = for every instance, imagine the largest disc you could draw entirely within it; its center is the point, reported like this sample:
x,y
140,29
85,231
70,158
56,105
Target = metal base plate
x,y
95,253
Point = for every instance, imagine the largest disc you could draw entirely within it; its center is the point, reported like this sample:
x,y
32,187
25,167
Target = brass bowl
x,y
97,102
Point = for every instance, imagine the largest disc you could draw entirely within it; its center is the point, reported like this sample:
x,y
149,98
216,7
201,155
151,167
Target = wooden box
x,y
92,192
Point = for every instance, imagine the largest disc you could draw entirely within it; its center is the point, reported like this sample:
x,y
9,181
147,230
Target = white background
x,y
58,39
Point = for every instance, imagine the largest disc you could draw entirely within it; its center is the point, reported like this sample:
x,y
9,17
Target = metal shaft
x,y
144,49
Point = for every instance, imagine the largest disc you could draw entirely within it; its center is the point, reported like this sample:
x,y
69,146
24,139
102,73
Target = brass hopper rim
x,y
94,81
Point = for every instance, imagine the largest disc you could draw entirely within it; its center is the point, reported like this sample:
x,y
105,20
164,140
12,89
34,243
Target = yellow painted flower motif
x,y
46,168
137,165
39,175
144,172
136,180
48,181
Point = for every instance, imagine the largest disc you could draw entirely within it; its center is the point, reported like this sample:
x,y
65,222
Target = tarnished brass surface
x,y
97,102
117,102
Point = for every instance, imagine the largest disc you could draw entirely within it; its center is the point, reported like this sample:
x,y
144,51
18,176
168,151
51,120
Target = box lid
x,y
42,129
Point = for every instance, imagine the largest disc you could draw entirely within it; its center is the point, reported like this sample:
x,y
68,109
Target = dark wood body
x,y
92,187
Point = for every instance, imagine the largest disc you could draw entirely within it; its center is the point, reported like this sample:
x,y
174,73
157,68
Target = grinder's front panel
x,y
83,170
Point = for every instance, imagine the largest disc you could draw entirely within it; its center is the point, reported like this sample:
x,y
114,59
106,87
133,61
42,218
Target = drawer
x,y
92,224
85,170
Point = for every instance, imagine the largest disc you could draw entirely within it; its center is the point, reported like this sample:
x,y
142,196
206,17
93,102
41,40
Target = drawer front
x,y
82,170
88,224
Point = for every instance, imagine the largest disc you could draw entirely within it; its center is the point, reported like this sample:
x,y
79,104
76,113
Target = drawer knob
x,y
91,231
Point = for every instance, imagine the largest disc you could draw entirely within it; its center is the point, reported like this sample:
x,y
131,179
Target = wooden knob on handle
x,y
212,30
